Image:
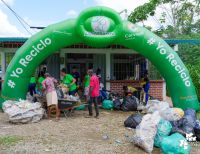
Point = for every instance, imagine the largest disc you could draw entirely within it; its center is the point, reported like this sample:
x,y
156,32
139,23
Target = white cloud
x,y
7,29
72,13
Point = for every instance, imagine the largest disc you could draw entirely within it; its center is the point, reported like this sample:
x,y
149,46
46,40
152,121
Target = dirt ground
x,y
73,135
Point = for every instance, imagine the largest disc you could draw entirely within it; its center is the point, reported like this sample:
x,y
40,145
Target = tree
x,y
176,16
178,19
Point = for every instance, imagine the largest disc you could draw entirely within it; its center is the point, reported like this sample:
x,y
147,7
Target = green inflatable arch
x,y
100,27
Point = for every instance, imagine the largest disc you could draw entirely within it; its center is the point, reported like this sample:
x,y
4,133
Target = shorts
x,y
86,91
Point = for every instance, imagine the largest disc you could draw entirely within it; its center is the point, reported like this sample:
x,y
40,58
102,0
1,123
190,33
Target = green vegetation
x,y
178,19
9,140
195,74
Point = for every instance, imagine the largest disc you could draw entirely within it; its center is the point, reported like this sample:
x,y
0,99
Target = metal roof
x,y
180,41
13,39
169,41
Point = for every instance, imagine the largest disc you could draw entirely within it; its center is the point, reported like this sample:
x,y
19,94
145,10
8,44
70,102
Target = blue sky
x,y
45,12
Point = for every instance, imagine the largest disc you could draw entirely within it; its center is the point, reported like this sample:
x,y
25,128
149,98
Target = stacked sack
x,y
155,128
23,111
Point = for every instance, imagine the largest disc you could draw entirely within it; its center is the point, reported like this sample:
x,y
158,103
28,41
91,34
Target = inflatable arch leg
x,y
100,27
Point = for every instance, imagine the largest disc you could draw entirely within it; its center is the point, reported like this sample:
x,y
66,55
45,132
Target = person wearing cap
x,y
93,93
69,81
51,95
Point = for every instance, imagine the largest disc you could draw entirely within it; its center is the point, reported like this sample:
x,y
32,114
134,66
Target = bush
x,y
195,75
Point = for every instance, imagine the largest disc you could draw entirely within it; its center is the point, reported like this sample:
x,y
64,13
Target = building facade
x,y
119,66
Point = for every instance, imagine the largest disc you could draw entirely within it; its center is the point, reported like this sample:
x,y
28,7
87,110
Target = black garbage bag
x,y
189,120
117,104
133,120
130,104
190,112
197,130
186,124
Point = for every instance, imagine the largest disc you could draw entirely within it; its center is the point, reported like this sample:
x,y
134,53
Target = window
x,y
9,57
127,66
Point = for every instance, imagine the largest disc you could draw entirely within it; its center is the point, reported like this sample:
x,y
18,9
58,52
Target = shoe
x,y
97,117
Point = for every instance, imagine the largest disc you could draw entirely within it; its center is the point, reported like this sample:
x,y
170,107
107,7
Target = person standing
x,y
32,86
69,81
86,86
146,88
51,95
39,81
93,93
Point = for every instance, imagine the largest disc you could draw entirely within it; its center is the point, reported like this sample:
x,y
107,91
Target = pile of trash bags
x,y
23,111
163,127
129,103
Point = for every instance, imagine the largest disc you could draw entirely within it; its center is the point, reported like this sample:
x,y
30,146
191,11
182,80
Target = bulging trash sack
x,y
146,131
130,104
172,114
167,113
133,121
23,111
155,105
189,121
117,104
175,144
107,104
81,107
186,124
163,129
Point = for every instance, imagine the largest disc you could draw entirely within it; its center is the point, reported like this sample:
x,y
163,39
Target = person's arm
x,y
43,86
91,86
73,81
91,89
55,81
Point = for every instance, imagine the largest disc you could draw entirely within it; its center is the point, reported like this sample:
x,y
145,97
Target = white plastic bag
x,y
155,105
146,131
23,111
167,113
172,114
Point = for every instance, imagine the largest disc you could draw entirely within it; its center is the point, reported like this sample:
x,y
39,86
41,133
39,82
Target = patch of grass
x,y
9,140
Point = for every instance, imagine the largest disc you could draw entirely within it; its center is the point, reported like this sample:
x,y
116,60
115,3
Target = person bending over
x,y
51,95
69,81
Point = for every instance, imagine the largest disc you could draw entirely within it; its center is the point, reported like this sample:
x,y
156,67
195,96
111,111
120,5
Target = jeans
x,y
32,88
95,101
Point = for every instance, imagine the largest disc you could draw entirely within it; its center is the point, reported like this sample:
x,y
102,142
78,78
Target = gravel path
x,y
74,135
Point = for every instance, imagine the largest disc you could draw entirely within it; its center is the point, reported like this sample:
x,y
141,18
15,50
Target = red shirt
x,y
94,82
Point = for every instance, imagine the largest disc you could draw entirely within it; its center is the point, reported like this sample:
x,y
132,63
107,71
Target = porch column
x,y
108,65
62,59
3,64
